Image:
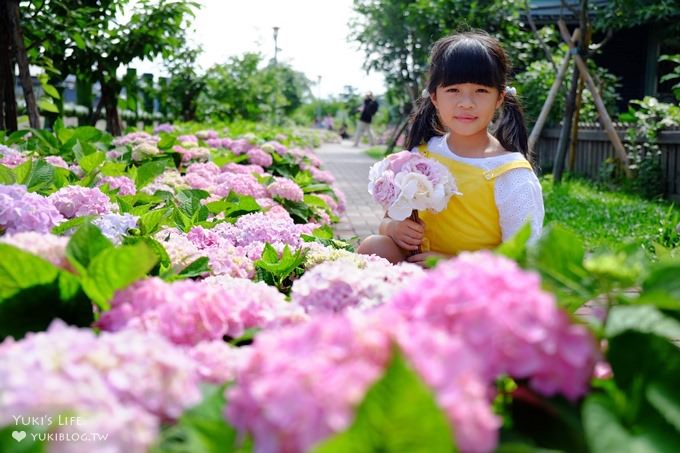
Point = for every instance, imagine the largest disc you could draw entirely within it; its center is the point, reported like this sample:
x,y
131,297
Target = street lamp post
x,y
318,99
276,75
276,46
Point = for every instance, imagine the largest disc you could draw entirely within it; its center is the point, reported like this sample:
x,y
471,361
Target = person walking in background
x,y
467,86
368,110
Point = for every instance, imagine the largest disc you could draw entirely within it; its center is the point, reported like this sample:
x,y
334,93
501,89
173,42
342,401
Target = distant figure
x,y
368,110
343,131
328,122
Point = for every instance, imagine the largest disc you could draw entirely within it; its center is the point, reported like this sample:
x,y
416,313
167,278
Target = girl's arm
x,y
407,234
519,200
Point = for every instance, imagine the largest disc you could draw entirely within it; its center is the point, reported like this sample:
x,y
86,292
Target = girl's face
x,y
466,108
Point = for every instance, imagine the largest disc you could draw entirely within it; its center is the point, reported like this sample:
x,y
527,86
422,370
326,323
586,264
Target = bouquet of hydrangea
x,y
406,182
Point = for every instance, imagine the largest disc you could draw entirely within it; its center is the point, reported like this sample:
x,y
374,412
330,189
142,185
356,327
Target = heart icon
x,y
18,435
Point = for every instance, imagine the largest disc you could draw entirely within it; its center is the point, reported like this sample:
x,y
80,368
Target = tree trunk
x,y
94,117
574,126
565,132
110,102
22,60
8,102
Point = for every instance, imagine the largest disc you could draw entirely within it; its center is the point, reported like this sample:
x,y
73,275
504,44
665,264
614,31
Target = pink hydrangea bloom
x,y
207,134
230,260
207,169
10,157
77,201
280,399
242,184
188,312
21,210
191,154
124,384
330,201
268,227
217,361
203,238
187,138
343,284
181,250
341,199
170,181
45,245
322,175
498,308
258,157
214,142
243,169
164,127
125,185
135,138
286,189
57,161
240,146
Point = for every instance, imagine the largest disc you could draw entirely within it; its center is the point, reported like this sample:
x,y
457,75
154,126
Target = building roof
x,y
549,11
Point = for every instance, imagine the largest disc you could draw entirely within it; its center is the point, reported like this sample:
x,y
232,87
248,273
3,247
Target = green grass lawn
x,y
376,152
607,218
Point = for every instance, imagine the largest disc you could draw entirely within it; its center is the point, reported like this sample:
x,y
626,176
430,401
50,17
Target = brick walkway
x,y
350,167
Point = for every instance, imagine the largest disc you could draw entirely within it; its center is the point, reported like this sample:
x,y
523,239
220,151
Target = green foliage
x,y
244,89
201,428
533,86
646,118
674,74
399,413
324,235
86,38
279,271
69,143
606,218
10,444
103,268
33,292
185,84
618,14
233,206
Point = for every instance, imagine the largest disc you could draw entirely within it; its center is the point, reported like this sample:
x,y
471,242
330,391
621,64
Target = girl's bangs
x,y
469,62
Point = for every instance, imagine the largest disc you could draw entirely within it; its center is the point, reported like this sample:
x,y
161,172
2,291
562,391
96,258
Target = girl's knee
x,y
382,246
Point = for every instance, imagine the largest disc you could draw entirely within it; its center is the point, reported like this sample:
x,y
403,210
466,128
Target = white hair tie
x,y
510,90
425,93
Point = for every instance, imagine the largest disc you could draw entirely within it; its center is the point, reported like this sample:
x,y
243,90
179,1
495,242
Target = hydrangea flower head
x,y
21,210
497,307
77,201
286,189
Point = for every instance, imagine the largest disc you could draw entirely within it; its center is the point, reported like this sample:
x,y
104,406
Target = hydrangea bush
x,y
182,291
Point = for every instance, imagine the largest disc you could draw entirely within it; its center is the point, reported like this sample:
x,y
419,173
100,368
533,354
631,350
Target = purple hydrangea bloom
x,y
21,210
77,201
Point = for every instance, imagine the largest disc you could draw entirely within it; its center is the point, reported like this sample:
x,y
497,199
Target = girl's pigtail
x,y
424,123
511,131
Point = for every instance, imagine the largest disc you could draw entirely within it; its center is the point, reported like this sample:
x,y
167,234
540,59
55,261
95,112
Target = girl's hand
x,y
407,234
421,258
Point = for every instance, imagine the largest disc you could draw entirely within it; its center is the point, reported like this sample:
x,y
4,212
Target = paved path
x,y
350,167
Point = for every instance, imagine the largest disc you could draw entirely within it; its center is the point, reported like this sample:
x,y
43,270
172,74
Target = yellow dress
x,y
470,221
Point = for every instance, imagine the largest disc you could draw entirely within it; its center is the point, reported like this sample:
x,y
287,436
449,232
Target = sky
x,y
312,38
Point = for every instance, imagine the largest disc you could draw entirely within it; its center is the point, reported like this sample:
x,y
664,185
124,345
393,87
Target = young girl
x,y
493,169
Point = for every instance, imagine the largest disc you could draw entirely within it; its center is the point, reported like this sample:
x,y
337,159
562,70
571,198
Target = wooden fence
x,y
594,148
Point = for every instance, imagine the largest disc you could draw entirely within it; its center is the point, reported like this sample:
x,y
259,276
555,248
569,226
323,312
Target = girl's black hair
x,y
470,57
